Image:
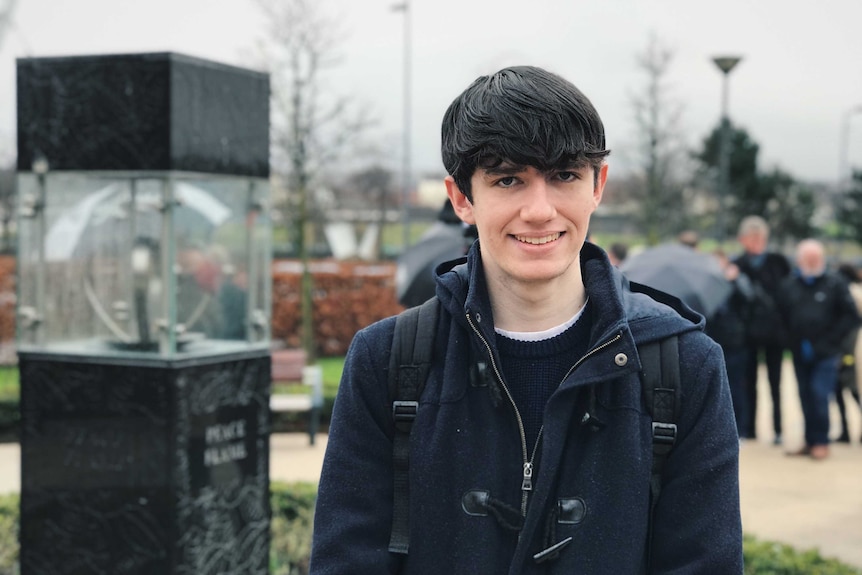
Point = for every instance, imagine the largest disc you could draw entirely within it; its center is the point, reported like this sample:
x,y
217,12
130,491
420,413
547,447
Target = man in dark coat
x,y
727,326
765,330
531,451
819,313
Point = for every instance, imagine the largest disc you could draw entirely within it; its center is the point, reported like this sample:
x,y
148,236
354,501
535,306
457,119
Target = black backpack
x,y
410,362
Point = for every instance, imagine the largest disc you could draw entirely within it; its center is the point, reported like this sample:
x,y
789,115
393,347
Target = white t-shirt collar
x,y
544,334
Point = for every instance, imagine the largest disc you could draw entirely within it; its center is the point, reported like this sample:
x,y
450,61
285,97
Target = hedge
x,y
347,296
293,513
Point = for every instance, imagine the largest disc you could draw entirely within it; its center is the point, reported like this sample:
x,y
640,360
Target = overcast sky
x,y
800,75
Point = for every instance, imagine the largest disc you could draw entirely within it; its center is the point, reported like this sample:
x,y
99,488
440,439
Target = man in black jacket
x,y
727,326
819,313
765,330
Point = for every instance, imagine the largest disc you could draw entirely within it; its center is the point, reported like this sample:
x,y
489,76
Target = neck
x,y
530,307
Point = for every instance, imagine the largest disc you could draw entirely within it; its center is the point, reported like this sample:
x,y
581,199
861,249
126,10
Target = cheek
x,y
589,207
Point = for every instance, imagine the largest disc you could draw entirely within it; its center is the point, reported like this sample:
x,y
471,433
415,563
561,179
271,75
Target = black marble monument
x,y
136,462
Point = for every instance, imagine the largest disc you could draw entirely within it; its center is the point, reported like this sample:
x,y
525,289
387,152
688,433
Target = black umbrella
x,y
694,277
414,276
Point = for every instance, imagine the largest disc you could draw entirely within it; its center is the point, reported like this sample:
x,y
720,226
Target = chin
x,y
544,273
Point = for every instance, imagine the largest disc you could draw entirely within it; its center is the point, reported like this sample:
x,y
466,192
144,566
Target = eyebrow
x,y
504,169
508,169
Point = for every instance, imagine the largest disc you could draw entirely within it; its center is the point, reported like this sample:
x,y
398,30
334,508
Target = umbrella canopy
x,y
414,276
694,277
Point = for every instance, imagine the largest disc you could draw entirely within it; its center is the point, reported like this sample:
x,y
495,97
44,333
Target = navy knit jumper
x,y
534,369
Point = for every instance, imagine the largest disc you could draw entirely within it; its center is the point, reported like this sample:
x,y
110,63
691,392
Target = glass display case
x,y
172,264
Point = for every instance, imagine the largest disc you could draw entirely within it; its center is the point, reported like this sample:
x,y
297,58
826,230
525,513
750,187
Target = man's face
x,y
754,242
811,259
531,224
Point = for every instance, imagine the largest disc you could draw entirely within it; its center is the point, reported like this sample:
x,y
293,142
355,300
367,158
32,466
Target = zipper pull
x,y
527,484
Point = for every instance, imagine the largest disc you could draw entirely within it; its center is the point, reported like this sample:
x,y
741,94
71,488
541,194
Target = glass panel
x,y
143,264
29,233
212,255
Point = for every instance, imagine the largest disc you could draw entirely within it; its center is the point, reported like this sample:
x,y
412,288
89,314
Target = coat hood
x,y
618,306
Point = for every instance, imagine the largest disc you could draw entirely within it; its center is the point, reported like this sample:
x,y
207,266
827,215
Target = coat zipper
x,y
527,478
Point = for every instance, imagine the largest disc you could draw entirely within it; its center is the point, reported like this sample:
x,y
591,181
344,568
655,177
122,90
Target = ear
x,y
462,206
599,190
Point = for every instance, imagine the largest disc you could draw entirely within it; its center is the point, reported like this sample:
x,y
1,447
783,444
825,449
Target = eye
x,y
507,182
567,176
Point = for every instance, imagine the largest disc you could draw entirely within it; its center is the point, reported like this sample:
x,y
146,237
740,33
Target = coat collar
x,y
617,305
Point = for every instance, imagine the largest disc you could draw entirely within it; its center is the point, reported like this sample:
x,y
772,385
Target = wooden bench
x,y
288,367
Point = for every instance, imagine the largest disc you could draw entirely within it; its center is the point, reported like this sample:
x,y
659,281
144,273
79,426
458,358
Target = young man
x,y
532,448
765,331
819,312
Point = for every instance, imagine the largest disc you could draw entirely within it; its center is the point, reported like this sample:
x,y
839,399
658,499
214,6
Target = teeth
x,y
538,241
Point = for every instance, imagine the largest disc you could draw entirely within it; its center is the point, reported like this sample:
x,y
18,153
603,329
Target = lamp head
x,y
726,63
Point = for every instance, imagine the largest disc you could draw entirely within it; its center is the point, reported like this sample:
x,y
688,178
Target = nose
x,y
538,205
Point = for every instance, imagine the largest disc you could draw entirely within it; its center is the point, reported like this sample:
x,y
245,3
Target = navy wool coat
x,y
590,483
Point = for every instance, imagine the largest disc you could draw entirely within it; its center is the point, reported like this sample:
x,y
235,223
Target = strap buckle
x,y
404,411
664,433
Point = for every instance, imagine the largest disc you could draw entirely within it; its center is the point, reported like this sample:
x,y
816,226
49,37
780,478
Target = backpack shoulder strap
x,y
661,383
409,364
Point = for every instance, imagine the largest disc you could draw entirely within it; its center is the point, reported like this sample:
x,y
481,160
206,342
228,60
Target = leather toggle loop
x,y
475,503
571,510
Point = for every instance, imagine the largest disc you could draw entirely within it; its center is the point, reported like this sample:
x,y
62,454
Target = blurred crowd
x,y
804,305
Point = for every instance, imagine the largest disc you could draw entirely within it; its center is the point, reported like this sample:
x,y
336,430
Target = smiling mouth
x,y
537,241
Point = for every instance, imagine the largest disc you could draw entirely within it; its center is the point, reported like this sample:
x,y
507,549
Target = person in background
x,y
765,331
689,238
851,357
819,313
617,253
727,327
232,296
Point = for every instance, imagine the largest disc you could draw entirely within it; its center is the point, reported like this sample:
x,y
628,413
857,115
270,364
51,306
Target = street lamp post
x,y
844,176
725,64
405,153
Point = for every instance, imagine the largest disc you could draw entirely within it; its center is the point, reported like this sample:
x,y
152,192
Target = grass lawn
x,y
10,390
331,367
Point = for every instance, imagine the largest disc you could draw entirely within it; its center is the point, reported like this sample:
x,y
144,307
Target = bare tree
x,y
7,172
661,149
373,187
6,12
311,126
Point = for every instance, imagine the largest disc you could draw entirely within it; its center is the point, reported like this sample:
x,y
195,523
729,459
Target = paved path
x,y
798,501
